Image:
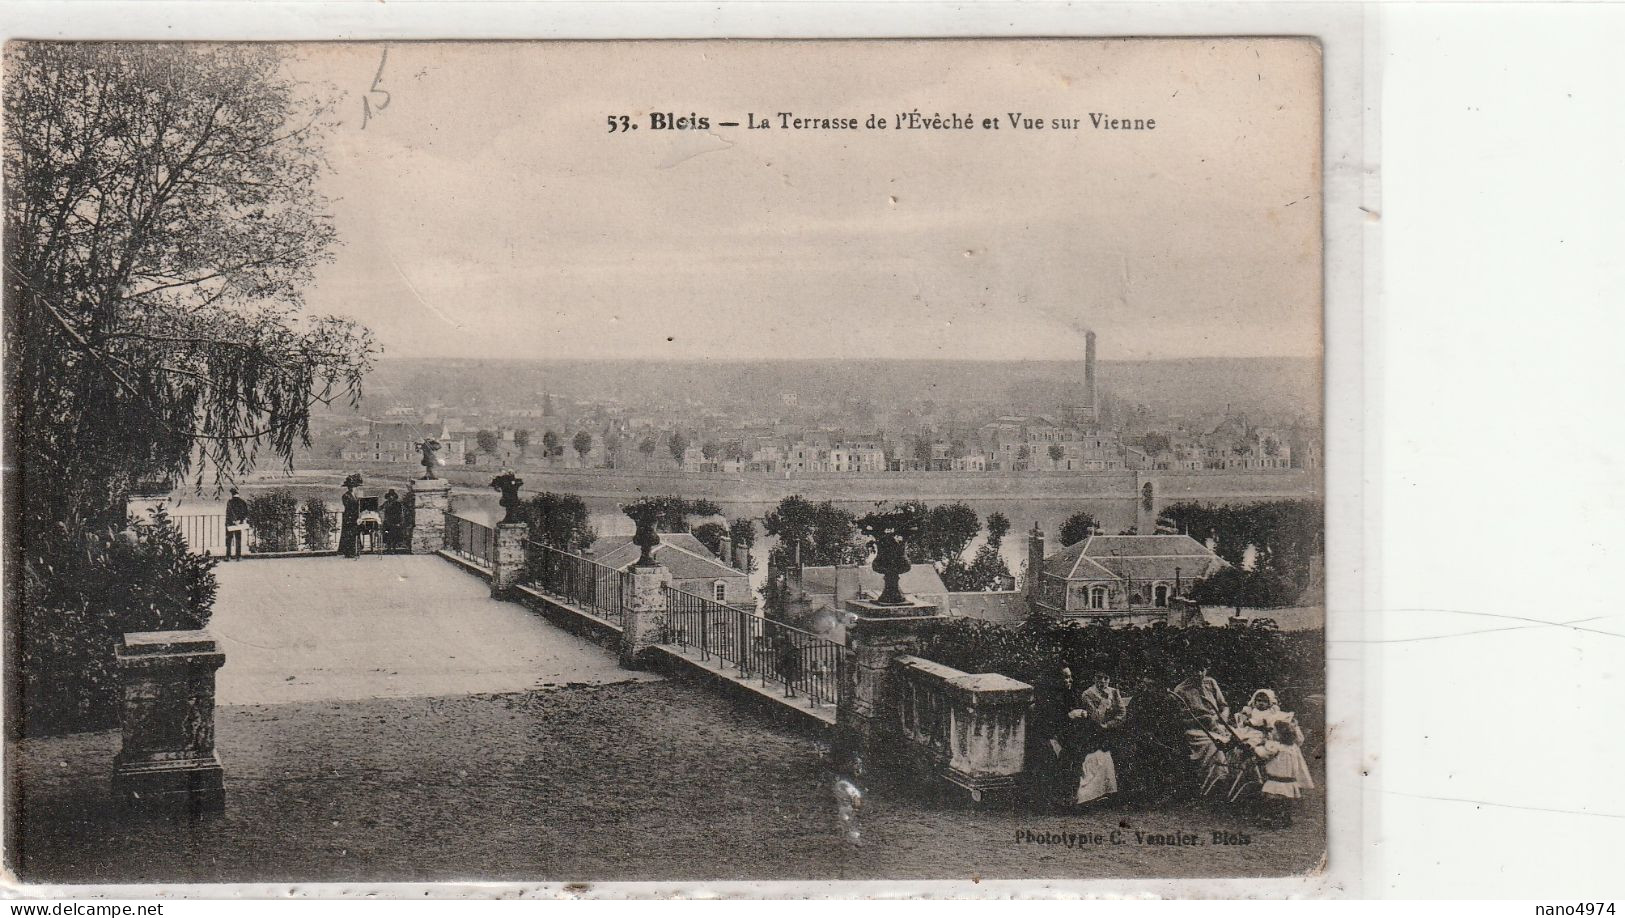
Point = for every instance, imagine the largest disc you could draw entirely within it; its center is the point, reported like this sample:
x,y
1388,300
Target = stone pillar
x,y
430,501
645,621
168,759
987,731
508,557
875,635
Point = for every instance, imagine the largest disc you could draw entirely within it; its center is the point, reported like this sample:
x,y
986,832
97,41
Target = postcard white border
x,y
1349,110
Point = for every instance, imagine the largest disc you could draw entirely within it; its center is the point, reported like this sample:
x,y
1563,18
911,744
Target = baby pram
x,y
368,523
1233,769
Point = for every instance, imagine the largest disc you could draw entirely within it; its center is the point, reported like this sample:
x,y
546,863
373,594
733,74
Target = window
x,y
720,591
1160,595
1097,597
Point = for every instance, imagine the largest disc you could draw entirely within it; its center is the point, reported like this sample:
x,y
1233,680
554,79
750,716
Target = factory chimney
x,y
1089,377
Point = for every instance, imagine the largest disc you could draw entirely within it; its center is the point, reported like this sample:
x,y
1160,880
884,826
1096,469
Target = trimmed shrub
x,y
76,611
319,525
273,518
1243,659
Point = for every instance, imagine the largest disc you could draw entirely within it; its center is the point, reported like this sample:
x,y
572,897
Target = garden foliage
x,y
77,608
1242,659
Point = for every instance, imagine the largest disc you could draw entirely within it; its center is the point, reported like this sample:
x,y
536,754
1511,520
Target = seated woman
x,y
1208,734
1102,714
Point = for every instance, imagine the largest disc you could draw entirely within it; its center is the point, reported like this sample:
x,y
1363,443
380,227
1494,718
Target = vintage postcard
x,y
683,461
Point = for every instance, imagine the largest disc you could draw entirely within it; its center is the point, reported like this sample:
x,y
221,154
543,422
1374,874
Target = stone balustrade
x,y
967,729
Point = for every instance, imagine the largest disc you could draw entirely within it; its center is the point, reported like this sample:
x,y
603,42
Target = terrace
x,y
385,719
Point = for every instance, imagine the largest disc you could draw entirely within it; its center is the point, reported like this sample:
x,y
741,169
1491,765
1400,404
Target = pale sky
x,y
486,210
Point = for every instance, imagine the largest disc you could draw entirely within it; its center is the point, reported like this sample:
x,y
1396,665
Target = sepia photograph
x,y
683,461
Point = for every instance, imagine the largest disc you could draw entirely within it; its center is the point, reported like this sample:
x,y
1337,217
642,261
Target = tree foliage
x,y
80,603
672,513
1078,526
273,518
521,440
162,218
945,531
823,532
1239,588
713,536
1286,535
998,526
550,444
560,521
1242,660
318,524
678,444
582,443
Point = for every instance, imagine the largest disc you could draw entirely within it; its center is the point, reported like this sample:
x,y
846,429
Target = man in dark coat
x,y
236,523
394,520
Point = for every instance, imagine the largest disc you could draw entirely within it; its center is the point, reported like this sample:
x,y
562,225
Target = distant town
x,y
785,433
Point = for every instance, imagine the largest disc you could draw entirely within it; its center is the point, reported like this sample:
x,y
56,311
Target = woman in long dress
x,y
1103,713
349,519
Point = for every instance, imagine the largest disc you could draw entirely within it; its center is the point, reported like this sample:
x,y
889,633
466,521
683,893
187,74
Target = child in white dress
x,y
1286,774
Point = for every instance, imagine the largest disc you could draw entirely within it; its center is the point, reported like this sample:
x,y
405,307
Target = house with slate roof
x,y
693,568
1121,577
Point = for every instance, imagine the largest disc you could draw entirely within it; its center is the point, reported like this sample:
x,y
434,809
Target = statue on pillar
x,y
509,484
428,448
644,513
891,531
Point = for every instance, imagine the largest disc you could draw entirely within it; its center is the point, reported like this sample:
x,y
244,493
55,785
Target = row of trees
x,y
825,534
489,443
1285,535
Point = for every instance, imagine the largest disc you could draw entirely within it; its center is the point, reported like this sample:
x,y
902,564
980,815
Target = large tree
x,y
163,216
582,443
822,533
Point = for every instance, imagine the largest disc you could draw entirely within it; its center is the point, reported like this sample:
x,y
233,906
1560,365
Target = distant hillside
x,y
1272,384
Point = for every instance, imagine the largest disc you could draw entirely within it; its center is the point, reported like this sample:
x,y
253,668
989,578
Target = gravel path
x,y
385,626
649,781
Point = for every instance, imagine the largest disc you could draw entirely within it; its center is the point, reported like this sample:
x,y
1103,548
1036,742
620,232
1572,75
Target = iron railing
x,y
600,590
470,540
800,661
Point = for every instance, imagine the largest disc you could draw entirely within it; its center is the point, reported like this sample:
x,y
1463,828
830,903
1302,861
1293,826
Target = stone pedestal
x,y
874,637
987,747
168,760
968,729
645,621
508,557
430,501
